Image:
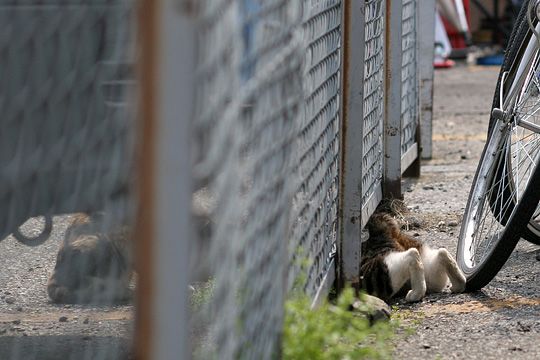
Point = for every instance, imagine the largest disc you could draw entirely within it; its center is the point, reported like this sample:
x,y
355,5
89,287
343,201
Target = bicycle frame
x,y
524,74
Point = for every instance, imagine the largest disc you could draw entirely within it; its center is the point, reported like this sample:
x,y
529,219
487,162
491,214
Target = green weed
x,y
332,331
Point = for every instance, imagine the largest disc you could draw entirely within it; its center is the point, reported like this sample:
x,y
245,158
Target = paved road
x,y
31,327
503,320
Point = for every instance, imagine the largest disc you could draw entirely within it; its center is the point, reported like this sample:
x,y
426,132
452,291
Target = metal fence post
x,y
426,42
166,106
350,201
392,109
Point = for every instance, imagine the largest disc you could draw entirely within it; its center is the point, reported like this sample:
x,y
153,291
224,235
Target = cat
x,y
393,262
94,263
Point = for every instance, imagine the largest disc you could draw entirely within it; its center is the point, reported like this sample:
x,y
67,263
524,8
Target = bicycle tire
x,y
498,211
504,241
518,35
532,232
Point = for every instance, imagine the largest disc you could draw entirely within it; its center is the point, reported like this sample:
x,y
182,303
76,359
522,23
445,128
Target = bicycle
x,y
505,193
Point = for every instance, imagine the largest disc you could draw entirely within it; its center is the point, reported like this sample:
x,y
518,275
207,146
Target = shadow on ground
x,y
64,347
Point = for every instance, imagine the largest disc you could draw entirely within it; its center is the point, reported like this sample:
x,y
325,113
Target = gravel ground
x,y
33,328
502,321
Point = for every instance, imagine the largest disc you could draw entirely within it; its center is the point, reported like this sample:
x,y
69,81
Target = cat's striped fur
x,y
393,262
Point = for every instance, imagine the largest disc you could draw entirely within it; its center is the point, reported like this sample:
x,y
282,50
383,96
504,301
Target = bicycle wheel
x,y
532,233
515,50
506,188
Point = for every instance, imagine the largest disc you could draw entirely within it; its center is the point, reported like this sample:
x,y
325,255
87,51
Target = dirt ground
x,y
502,321
32,328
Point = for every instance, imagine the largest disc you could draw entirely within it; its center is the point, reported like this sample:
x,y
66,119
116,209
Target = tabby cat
x,y
394,263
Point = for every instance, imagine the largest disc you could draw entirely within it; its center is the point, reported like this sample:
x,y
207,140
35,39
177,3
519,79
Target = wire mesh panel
x,y
314,220
66,146
63,78
409,81
374,77
248,106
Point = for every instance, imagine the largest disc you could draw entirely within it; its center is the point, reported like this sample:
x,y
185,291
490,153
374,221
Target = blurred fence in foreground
x,y
270,132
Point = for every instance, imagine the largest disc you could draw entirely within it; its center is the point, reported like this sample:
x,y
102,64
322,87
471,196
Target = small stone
x,y
441,224
7,293
19,309
16,322
428,187
86,321
373,308
453,223
30,269
63,319
10,300
523,327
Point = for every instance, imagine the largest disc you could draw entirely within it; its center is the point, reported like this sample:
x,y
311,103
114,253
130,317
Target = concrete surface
x,y
502,321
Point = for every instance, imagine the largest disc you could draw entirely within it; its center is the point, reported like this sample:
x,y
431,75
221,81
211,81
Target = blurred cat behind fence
x,y
94,263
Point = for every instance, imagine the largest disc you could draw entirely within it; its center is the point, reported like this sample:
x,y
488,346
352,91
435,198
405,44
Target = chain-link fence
x,y
287,96
66,72
409,88
373,110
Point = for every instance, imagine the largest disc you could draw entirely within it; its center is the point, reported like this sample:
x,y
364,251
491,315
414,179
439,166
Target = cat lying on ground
x,y
393,262
94,263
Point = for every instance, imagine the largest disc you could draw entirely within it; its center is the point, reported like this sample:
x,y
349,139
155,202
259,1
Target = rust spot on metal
x,y
392,131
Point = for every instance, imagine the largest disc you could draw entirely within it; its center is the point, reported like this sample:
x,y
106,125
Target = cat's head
x,y
382,223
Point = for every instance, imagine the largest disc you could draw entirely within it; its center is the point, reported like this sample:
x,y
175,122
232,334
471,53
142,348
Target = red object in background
x,y
443,64
456,38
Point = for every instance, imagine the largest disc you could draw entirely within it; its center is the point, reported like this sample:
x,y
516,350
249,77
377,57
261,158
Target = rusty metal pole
x,y
166,70
392,108
350,202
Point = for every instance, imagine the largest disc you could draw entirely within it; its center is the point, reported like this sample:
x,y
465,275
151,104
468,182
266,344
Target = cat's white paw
x,y
413,296
458,286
